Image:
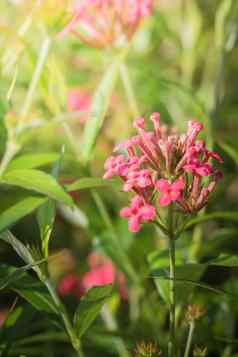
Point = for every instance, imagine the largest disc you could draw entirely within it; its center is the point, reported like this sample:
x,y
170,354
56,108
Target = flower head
x,y
100,23
79,101
162,167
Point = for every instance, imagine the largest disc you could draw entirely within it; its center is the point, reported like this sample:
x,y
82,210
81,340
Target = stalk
x,y
126,80
172,295
189,339
10,152
171,346
67,323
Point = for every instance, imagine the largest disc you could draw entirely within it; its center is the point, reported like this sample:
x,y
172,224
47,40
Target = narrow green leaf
x,y
17,208
18,246
230,150
46,213
90,182
230,216
90,306
9,274
12,317
99,109
35,293
26,286
32,161
37,181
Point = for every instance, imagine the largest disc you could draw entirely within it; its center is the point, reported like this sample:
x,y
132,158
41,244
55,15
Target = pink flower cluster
x,y
103,22
101,272
160,167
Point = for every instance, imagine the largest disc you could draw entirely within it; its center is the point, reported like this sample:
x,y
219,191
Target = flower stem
x,y
171,345
10,152
189,339
36,76
125,77
67,323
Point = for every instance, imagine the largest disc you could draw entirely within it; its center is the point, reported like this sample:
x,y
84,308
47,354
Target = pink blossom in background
x,y
102,272
161,167
70,285
79,101
103,22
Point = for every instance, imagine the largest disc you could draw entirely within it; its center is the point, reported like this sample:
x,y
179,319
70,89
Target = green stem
x,y
189,339
106,218
125,77
111,324
11,150
35,78
67,323
171,346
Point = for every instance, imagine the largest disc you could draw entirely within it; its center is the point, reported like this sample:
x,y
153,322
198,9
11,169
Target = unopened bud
x,y
194,312
200,352
147,349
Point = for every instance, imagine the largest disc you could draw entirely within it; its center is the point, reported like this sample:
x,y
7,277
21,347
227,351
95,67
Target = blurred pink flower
x,y
103,22
102,272
70,285
79,101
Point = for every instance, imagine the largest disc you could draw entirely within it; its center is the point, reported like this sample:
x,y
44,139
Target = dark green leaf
x,y
89,307
9,275
18,246
230,216
35,293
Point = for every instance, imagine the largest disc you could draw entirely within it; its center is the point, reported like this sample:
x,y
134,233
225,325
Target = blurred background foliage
x,y
182,63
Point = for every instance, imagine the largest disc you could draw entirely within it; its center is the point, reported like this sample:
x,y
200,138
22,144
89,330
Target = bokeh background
x,y
182,63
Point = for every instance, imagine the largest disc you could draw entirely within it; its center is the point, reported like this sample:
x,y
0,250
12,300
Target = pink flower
x,y
100,23
115,166
163,161
102,272
79,101
139,212
69,285
170,192
199,168
138,178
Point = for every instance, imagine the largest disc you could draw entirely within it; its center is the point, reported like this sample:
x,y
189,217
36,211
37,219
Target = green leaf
x,y
230,216
32,161
159,262
17,206
90,306
35,293
99,109
37,181
230,150
46,213
18,246
9,274
90,182
220,22
223,260
26,286
12,317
